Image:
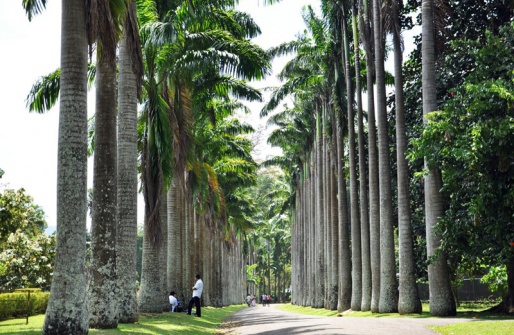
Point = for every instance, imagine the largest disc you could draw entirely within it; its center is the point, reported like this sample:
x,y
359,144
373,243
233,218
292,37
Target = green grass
x,y
306,310
482,324
477,328
465,310
151,324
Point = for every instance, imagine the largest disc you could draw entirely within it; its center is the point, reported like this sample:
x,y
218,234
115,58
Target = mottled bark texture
x,y
67,311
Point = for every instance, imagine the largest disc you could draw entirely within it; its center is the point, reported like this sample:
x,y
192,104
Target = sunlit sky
x,y
28,141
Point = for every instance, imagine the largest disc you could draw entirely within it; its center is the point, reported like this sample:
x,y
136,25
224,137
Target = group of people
x,y
251,300
176,305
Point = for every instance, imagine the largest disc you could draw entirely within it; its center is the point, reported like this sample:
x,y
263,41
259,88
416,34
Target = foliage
x,y
472,140
19,213
462,20
250,274
26,253
496,278
28,261
271,235
14,305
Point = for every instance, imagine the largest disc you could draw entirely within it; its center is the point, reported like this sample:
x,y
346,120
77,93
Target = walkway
x,y
273,321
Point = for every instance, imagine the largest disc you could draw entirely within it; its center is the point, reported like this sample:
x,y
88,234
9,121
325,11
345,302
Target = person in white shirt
x,y
197,294
173,301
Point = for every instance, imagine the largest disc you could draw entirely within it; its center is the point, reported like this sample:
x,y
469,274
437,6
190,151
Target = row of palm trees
x,y
184,62
343,244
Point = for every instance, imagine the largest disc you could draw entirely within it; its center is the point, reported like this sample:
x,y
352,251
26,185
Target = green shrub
x,y
14,305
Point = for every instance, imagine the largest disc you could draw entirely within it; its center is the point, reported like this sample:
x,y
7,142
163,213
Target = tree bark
x,y
127,189
69,278
408,302
388,302
442,302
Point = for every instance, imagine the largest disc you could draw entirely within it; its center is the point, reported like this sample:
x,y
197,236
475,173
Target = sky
x,y
28,141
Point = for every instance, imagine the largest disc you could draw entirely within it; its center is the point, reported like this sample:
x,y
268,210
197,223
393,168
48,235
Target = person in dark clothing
x,y
197,294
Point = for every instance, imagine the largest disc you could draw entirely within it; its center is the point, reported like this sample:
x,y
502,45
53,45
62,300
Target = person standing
x,y
197,294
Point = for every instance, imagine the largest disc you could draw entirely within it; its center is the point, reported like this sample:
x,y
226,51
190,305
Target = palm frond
x,y
247,24
44,93
133,43
285,49
33,7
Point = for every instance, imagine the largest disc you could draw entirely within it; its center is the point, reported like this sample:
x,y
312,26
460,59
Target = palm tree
x,y
363,192
199,42
408,291
69,278
105,26
310,79
354,192
367,36
388,301
441,297
130,71
156,155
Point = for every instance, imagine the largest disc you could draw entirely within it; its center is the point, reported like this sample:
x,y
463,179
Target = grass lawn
x,y
482,324
151,324
478,328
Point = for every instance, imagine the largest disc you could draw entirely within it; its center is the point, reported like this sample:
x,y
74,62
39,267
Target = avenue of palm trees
x,y
340,155
170,78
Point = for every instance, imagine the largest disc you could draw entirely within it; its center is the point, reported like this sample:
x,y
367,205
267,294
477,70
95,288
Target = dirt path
x,y
273,321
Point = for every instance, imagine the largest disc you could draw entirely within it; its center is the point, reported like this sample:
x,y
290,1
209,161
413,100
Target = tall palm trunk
x,y
334,231
209,263
164,248
388,301
174,255
103,278
363,192
69,278
150,295
344,255
312,231
408,302
367,34
186,238
441,297
127,188
327,207
320,222
354,191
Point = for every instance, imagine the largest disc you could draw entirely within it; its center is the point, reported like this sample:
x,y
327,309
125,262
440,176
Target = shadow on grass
x,y
19,326
151,324
467,311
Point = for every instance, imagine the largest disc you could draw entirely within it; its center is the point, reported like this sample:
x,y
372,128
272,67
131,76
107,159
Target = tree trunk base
x,y
502,308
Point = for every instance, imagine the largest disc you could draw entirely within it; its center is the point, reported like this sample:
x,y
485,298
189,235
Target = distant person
x,y
268,298
173,301
248,299
263,299
197,294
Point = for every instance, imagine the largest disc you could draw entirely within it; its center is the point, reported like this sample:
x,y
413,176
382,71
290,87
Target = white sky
x,y
28,141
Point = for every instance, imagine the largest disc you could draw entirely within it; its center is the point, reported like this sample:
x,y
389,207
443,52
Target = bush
x,y
14,305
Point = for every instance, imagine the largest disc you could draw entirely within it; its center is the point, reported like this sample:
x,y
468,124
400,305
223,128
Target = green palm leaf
x,y
33,7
